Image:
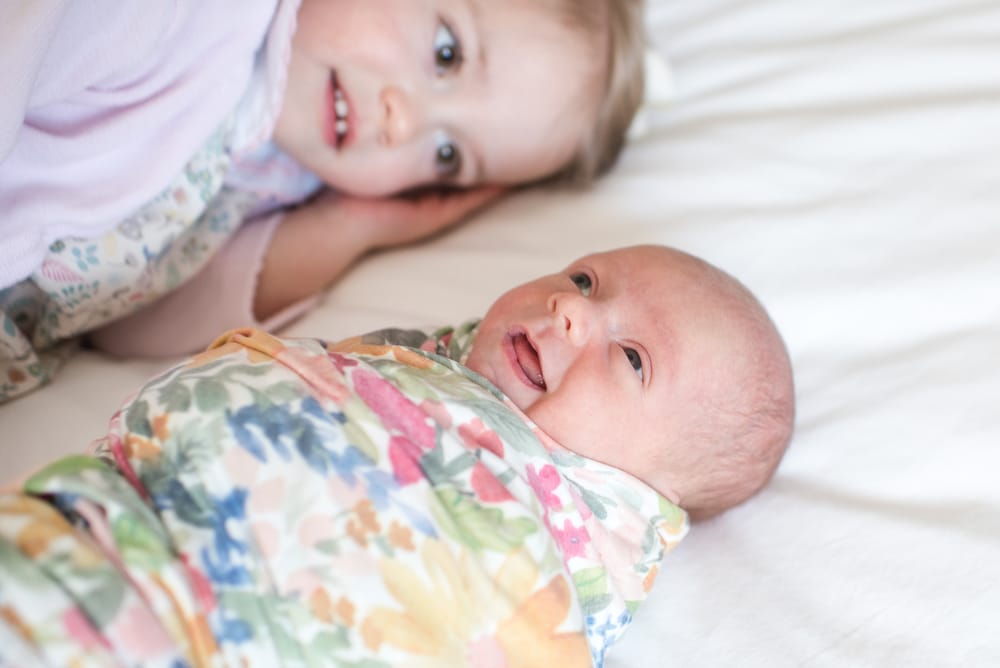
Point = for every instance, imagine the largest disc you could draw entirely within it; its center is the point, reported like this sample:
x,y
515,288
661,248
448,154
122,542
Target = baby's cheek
x,y
563,423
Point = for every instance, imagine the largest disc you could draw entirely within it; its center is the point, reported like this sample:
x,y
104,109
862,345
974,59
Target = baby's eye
x,y
447,160
635,360
447,50
582,282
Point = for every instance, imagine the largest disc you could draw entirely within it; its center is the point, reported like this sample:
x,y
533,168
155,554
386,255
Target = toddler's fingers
x,y
461,203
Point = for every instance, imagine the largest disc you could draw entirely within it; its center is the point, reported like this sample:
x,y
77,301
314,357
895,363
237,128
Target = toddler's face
x,y
608,356
386,95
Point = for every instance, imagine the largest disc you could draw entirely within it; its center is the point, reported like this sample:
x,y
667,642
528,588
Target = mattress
x,y
842,158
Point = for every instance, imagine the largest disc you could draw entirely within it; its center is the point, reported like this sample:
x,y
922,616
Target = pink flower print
x,y
242,467
342,362
487,487
316,370
486,652
203,591
572,540
59,273
404,455
544,482
315,529
79,628
140,632
397,413
475,434
267,496
267,537
117,449
437,412
585,512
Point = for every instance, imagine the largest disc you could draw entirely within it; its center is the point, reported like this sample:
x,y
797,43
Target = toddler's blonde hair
x,y
617,26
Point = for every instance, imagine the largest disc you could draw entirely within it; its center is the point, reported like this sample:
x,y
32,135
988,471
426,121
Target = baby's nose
x,y
573,316
399,116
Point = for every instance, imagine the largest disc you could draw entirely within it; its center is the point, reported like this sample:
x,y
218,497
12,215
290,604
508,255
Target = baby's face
x,y
387,95
608,356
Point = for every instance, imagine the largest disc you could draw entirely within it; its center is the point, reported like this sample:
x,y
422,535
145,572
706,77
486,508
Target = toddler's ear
x,y
659,91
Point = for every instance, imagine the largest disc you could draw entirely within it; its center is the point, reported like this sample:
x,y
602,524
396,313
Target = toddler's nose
x,y
399,116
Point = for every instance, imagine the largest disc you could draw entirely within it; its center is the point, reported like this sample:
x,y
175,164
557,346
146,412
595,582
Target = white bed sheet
x,y
842,157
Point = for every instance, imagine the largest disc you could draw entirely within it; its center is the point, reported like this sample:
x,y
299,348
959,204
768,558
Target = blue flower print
x,y
85,259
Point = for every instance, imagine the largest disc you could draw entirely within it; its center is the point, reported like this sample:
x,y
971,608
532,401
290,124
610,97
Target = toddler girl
x,y
140,137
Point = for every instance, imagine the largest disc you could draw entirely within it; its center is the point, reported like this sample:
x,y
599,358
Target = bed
x,y
843,159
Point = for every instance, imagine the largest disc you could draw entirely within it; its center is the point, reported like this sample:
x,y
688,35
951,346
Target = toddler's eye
x,y
447,160
582,282
447,50
635,360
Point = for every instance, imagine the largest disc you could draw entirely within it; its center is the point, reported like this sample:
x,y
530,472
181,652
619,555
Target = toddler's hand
x,y
384,222
317,242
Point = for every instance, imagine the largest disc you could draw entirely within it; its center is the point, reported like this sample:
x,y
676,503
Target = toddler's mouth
x,y
340,114
528,360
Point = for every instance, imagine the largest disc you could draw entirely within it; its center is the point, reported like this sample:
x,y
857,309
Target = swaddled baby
x,y
497,495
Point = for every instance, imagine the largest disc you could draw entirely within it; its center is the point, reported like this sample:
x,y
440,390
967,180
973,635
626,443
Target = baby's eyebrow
x,y
477,26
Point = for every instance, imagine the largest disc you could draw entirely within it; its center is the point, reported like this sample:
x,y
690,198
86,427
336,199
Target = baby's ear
x,y
668,492
703,514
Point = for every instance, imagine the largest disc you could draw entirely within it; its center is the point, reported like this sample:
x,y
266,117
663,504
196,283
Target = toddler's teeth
x,y
340,106
341,127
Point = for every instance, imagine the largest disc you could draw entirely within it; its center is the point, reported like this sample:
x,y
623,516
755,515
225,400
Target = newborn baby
x,y
501,494
651,360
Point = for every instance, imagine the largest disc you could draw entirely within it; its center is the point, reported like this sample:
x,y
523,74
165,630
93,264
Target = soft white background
x,y
842,157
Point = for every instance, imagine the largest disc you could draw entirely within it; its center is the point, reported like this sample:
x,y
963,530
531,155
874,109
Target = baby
x,y
127,172
682,377
377,501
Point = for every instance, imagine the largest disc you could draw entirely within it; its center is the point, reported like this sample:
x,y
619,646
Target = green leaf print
x,y
477,526
595,604
274,617
175,397
500,419
27,573
672,515
138,543
210,395
70,465
283,392
327,643
591,582
104,593
460,465
357,436
137,419
595,502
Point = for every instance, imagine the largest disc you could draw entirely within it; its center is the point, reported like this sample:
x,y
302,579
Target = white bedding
x,y
842,157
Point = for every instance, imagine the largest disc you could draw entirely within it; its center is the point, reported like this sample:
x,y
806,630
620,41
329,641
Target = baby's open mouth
x,y
527,358
341,110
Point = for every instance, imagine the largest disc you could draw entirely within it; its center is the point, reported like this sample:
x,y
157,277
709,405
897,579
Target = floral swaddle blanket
x,y
288,502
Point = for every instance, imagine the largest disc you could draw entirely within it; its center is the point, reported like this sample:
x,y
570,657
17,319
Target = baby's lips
x,y
528,359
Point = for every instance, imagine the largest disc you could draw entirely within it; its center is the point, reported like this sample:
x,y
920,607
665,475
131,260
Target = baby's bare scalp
x,y
732,444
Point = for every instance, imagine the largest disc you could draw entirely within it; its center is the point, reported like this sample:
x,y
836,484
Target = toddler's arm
x,y
272,269
319,241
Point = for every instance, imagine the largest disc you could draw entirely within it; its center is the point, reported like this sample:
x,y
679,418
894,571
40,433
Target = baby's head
x,y
651,360
388,95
